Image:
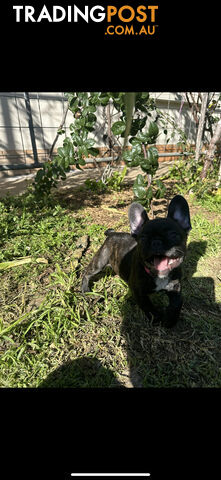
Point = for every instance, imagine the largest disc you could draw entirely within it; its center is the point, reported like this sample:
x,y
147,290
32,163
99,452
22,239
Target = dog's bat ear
x,y
137,217
178,210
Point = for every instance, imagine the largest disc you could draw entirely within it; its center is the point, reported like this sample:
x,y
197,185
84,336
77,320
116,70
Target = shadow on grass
x,y
80,373
188,355
73,200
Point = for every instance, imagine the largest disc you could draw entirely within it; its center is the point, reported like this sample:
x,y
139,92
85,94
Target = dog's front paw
x,y
85,285
162,318
154,317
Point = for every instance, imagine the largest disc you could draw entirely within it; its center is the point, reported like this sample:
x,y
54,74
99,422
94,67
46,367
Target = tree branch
x,y
59,128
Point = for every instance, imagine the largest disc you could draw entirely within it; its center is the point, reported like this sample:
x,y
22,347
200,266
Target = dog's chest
x,y
161,283
164,283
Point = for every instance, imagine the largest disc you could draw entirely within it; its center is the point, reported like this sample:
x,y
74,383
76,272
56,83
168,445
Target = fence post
x,y
31,128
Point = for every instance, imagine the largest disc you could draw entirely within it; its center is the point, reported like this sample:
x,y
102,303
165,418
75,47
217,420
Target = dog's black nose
x,y
156,245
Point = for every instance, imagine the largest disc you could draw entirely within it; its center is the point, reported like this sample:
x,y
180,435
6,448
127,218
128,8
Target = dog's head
x,y
161,242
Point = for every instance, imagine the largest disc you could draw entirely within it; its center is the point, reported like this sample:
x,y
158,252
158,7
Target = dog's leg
x,y
98,262
143,301
173,309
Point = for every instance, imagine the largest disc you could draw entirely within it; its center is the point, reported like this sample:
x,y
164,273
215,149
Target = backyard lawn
x,y
53,336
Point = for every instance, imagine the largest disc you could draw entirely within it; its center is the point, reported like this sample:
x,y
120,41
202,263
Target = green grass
x,y
211,202
53,336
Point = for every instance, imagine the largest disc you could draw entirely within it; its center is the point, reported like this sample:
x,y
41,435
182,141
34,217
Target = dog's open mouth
x,y
162,263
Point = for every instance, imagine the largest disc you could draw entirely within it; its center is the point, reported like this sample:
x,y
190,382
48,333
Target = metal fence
x,y
29,123
27,130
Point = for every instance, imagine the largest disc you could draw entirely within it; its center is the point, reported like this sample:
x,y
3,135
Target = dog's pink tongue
x,y
160,263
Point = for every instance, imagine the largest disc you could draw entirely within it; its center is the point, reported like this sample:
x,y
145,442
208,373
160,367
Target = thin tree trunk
x,y
211,150
130,98
109,133
219,176
201,126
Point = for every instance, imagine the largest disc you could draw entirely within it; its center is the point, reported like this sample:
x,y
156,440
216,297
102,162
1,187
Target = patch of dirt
x,y
109,208
129,378
213,266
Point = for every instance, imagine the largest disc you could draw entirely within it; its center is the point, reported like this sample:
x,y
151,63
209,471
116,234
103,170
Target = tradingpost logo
x,y
127,20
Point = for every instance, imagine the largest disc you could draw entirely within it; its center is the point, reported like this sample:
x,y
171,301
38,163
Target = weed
x,y
186,174
112,183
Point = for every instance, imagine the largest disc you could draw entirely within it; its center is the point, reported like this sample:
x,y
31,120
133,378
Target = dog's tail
x,y
108,232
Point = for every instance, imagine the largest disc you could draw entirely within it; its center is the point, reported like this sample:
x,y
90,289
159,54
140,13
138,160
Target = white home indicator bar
x,y
110,474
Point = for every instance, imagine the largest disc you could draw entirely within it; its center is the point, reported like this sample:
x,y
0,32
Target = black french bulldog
x,y
149,259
